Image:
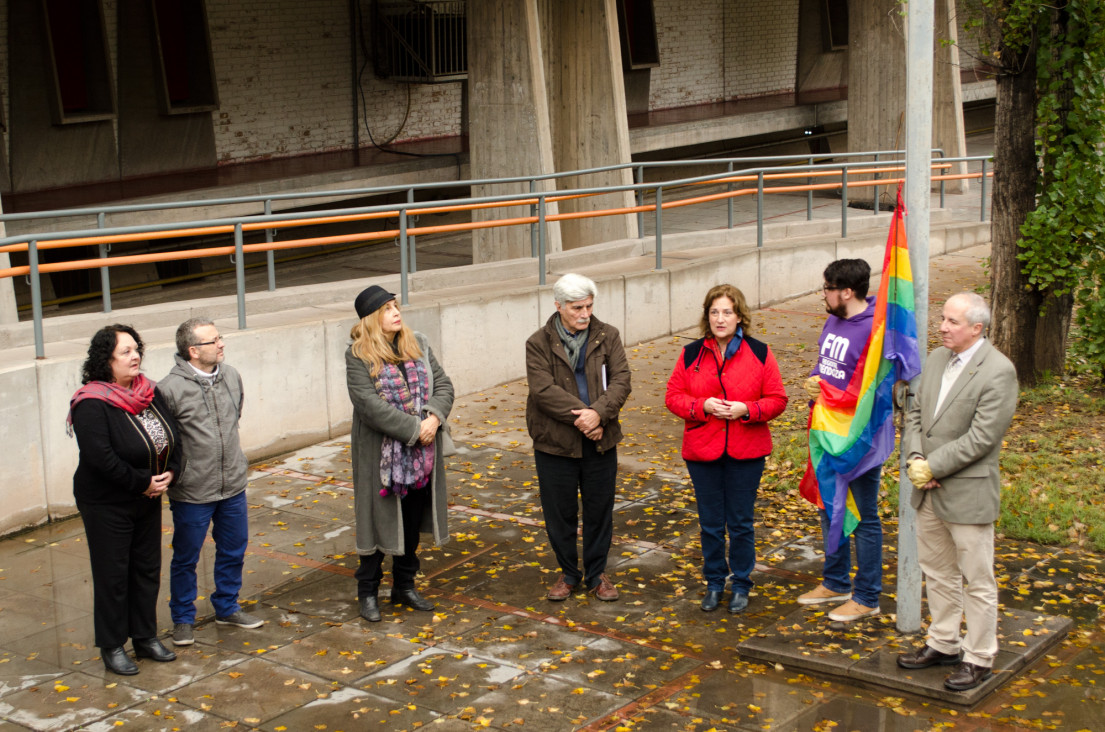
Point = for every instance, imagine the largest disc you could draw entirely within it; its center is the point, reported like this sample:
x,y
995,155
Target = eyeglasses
x,y
829,288
218,339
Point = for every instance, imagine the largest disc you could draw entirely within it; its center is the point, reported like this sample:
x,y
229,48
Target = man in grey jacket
x,y
964,403
205,396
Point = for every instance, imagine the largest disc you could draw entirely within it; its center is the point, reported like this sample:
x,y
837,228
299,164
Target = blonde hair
x,y
740,306
371,344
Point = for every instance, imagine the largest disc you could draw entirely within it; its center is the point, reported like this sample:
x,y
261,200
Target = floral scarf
x,y
403,467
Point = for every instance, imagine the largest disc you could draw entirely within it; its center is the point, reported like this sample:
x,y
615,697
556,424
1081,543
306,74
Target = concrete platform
x,y
865,652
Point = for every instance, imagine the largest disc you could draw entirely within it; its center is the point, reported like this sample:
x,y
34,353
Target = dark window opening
x,y
76,40
185,67
834,25
637,21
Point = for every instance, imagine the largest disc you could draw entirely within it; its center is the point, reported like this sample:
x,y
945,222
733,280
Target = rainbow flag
x,y
852,431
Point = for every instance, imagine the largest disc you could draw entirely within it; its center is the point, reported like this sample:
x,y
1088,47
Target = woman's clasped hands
x,y
724,409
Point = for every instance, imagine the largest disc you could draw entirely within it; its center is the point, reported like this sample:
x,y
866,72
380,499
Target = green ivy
x,y
1062,240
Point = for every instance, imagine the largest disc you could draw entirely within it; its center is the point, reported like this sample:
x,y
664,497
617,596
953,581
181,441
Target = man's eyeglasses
x,y
830,288
218,339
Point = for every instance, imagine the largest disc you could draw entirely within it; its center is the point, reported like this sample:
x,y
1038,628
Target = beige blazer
x,y
962,441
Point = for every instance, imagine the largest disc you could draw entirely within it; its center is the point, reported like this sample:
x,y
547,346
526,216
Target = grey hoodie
x,y
207,411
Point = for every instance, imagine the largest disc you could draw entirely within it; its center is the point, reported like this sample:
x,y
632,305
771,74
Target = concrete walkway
x,y
495,654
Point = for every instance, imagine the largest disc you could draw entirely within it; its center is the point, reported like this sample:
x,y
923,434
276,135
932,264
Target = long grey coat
x,y
379,518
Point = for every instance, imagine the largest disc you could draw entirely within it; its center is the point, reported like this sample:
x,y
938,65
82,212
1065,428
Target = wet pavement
x,y
495,654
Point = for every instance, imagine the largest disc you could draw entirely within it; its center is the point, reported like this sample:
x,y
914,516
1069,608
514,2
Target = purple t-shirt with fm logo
x,y
841,344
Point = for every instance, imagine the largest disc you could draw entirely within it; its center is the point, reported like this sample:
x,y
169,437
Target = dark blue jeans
x,y
725,491
230,530
867,585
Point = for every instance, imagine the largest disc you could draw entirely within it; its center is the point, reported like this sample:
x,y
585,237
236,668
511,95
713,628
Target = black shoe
x,y
710,602
411,598
926,656
737,603
370,608
152,648
967,677
117,661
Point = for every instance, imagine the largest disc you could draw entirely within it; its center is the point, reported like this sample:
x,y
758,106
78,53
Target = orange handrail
x,y
422,230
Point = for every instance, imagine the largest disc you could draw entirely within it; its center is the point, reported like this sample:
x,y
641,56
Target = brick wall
x,y
715,50
762,47
285,86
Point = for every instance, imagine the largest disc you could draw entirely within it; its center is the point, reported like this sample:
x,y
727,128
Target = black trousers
x,y
404,567
124,546
565,483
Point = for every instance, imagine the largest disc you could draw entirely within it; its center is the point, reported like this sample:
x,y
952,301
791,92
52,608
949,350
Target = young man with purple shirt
x,y
845,335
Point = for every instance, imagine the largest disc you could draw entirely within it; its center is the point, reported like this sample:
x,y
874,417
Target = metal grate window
x,y
420,40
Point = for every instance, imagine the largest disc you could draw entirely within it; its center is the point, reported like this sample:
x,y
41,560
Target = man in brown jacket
x,y
578,381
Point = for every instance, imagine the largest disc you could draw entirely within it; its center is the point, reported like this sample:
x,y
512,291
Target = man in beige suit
x,y
963,405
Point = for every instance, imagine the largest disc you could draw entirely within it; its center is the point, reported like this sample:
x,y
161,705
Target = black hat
x,y
371,299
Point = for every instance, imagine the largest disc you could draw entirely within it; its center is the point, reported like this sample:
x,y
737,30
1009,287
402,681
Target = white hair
x,y
976,310
572,288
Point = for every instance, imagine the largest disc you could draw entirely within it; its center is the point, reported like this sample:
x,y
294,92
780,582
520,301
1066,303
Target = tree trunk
x,y
1053,325
1014,302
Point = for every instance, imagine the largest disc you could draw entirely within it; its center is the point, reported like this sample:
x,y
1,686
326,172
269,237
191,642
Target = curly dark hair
x,y
97,367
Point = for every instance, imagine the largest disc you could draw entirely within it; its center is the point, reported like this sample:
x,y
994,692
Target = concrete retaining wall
x,y
293,360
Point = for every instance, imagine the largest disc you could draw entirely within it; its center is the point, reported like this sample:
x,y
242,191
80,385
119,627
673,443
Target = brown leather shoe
x,y
967,677
926,656
561,590
605,589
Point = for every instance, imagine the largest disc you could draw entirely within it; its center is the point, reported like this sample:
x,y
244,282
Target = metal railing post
x,y
760,209
404,270
876,187
659,227
411,248
844,200
36,298
729,200
809,195
105,272
639,174
270,255
240,275
541,240
533,226
982,202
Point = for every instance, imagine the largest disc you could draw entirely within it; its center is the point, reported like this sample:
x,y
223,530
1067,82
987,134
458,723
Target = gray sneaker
x,y
241,619
182,634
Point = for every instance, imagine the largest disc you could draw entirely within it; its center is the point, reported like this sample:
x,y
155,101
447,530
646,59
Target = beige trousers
x,y
949,554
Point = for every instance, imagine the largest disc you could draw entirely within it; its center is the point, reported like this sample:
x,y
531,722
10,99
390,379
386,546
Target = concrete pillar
x,y
876,81
586,101
948,131
8,311
508,118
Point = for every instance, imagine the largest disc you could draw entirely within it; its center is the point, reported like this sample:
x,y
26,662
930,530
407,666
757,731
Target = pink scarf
x,y
132,400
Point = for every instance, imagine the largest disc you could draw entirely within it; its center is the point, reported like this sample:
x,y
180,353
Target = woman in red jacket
x,y
726,386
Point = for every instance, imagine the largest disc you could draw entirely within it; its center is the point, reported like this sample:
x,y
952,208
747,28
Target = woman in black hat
x,y
401,399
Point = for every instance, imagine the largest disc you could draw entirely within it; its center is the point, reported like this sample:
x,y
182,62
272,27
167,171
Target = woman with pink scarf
x,y
129,455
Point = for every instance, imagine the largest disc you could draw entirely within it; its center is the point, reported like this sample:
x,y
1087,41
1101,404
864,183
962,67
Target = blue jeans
x,y
867,585
230,530
725,491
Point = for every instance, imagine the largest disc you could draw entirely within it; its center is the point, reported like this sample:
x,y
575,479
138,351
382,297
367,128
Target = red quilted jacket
x,y
750,376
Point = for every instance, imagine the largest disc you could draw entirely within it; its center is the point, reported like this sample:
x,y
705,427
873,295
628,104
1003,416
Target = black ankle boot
x,y
117,661
411,598
152,648
370,608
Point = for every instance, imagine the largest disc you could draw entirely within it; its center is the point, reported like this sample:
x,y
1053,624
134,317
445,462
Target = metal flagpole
x,y
918,182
